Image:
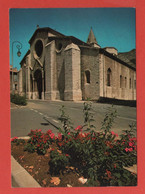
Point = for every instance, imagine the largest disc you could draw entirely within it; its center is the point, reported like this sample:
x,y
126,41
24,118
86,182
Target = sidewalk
x,y
20,177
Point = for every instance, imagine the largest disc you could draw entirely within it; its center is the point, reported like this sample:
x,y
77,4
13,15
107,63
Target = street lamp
x,y
19,46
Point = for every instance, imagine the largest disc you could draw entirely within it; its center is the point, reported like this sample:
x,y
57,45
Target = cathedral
x,y
59,67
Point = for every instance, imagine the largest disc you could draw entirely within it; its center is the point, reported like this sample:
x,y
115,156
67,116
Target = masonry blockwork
x,y
59,67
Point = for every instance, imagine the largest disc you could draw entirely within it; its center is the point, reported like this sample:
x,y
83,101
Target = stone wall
x,y
121,87
90,62
72,73
20,81
24,78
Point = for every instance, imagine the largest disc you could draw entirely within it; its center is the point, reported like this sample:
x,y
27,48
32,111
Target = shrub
x,y
59,161
99,156
17,141
17,99
38,141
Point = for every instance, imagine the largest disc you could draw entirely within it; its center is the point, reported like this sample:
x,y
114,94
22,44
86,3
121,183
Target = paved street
x,y
44,115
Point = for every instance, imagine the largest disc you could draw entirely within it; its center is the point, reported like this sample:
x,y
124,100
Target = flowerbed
x,y
98,157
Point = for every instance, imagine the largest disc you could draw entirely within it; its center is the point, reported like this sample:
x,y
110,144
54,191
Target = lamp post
x,y
19,46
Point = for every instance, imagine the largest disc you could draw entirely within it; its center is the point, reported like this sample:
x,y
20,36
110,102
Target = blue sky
x,y
114,27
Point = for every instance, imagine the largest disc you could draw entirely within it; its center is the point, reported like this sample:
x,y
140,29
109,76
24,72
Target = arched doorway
x,y
38,79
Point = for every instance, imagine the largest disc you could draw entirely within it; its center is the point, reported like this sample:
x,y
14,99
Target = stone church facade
x,y
59,67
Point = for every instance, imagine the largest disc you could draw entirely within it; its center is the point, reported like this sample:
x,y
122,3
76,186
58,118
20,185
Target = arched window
x,y
134,84
125,82
120,81
130,83
87,74
109,77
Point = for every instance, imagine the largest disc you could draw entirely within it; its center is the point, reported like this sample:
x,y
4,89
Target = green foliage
x,y
39,141
58,162
99,156
17,99
17,141
88,116
29,147
65,120
109,119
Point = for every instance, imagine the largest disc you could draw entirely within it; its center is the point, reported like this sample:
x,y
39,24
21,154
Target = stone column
x,y
28,61
33,96
29,92
50,71
72,73
20,82
42,95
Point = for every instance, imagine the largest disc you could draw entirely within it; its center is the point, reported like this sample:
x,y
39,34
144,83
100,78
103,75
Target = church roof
x,y
47,29
72,39
125,63
91,37
27,53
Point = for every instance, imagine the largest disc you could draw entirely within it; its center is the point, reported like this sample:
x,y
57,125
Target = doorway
x,y
38,80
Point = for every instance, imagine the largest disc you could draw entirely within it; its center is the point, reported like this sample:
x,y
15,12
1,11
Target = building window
x,y
109,77
134,84
130,83
121,81
39,48
16,87
87,74
125,82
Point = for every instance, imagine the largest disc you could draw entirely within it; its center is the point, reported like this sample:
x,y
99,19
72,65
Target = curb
x,y
20,177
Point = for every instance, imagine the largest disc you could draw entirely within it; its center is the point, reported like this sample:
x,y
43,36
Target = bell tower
x,y
92,39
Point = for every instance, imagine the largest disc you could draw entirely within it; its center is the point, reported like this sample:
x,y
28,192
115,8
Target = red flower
x,y
52,135
113,133
134,147
59,136
78,128
60,144
66,155
130,144
130,149
126,149
49,131
108,174
14,138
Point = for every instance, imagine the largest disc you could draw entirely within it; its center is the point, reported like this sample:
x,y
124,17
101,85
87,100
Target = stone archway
x,y
38,81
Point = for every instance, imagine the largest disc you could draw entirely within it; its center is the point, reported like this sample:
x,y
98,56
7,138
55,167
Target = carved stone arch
x,y
36,66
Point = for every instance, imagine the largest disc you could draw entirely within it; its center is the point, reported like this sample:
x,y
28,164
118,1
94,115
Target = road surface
x,y
44,115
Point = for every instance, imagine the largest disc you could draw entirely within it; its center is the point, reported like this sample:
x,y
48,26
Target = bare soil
x,y
38,167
